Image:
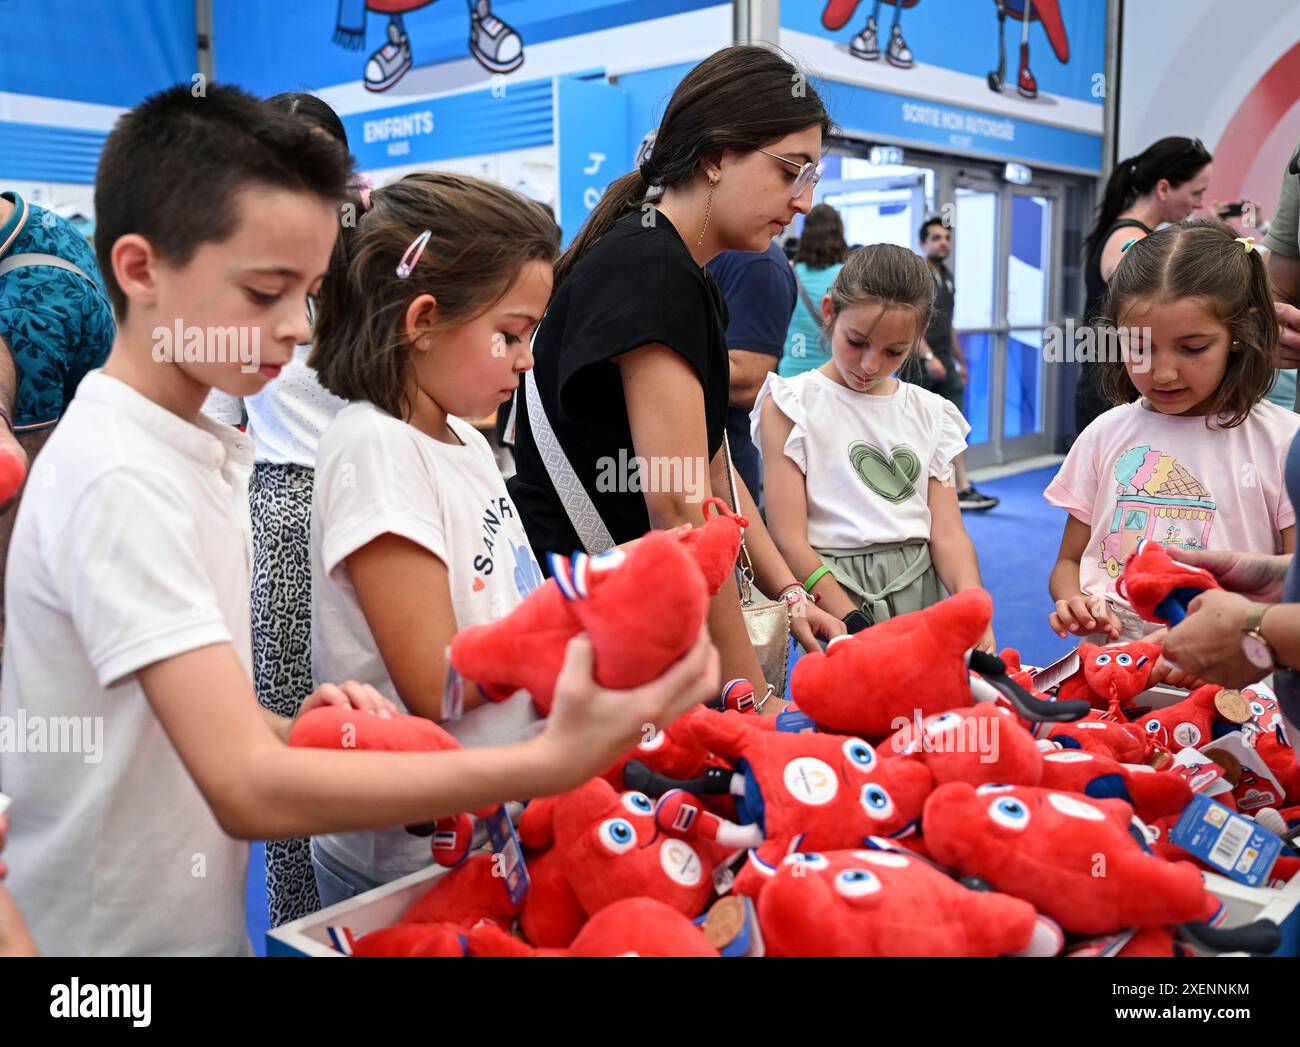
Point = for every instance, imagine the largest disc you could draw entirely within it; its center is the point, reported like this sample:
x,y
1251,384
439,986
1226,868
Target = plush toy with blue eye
x,y
811,790
885,902
1083,862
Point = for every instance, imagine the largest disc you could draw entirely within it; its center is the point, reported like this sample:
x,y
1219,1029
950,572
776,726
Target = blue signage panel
x,y
592,136
883,114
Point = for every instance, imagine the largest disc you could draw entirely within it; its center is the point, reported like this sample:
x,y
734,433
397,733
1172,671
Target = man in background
x,y
945,366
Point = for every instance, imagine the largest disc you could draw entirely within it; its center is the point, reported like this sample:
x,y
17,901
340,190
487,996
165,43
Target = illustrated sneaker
x,y
899,54
1027,85
972,499
866,44
495,45
390,63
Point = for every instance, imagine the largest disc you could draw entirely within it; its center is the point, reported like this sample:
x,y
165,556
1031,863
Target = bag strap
x,y
805,297
578,506
745,573
23,261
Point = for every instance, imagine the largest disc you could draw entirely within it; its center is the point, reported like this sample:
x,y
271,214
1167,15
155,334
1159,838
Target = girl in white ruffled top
x,y
857,466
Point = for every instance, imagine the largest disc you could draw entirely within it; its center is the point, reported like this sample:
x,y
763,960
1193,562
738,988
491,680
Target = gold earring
x,y
708,210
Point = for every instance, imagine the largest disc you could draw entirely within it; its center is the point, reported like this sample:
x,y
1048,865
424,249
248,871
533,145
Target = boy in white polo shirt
x,y
128,589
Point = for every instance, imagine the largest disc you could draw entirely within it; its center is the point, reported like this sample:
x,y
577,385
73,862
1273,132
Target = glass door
x,y
1005,248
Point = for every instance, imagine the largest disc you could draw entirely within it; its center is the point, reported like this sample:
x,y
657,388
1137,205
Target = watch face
x,y
1256,650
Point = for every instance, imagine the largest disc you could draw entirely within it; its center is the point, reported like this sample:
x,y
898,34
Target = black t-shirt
x,y
639,285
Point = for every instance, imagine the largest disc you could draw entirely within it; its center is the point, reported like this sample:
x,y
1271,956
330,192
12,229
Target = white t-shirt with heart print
x,y
867,460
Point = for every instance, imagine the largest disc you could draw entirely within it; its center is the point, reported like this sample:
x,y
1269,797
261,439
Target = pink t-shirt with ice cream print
x,y
1135,473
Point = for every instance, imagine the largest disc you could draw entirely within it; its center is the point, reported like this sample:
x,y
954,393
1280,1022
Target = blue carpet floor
x,y
1017,544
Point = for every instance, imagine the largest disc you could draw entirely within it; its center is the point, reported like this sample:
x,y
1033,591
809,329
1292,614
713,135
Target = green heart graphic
x,y
894,479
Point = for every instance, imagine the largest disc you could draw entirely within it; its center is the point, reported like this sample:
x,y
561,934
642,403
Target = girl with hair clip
x,y
631,359
1193,458
858,466
1164,183
424,319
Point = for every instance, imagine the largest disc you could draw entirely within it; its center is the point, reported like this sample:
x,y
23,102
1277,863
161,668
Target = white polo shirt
x,y
131,546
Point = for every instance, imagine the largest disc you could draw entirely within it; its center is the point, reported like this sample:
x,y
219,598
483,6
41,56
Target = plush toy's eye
x,y
946,722
1009,813
1102,659
992,787
1123,659
876,801
1257,708
617,835
857,883
638,803
1152,726
859,753
655,741
808,859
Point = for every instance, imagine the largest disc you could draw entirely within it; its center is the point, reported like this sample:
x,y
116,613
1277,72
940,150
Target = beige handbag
x,y
766,621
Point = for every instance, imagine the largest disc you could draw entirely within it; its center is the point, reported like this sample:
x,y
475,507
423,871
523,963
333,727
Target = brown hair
x,y
739,98
481,236
1202,259
889,276
822,244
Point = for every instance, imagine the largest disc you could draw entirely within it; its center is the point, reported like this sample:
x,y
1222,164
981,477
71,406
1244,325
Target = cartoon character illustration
x,y
528,576
866,45
1048,12
1158,500
494,44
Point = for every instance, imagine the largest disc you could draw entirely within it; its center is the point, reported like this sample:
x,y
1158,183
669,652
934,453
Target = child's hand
x,y
14,938
812,623
1080,615
987,643
357,695
590,727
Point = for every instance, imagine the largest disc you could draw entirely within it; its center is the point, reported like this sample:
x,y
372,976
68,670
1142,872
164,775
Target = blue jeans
x,y
335,882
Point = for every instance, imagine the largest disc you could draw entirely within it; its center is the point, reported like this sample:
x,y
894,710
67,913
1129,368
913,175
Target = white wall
x,y
1197,68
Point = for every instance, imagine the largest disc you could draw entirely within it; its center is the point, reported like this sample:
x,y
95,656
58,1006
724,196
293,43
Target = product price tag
x,y
1201,773
794,721
1236,846
507,855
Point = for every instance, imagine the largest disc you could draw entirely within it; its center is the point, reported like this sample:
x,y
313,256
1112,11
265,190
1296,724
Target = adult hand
x,y
590,726
1288,323
1207,643
1254,575
935,369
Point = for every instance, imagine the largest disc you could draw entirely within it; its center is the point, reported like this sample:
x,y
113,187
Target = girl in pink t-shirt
x,y
1194,456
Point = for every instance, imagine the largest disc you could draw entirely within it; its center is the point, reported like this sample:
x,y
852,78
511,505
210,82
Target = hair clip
x,y
412,257
1129,244
1248,242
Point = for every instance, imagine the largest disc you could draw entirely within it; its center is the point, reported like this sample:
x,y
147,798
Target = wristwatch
x,y
1258,651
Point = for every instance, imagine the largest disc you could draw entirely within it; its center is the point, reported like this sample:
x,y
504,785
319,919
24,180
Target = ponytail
x,y
1176,160
622,196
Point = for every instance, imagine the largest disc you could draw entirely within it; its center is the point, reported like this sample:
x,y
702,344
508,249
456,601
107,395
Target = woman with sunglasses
x,y
1165,183
621,421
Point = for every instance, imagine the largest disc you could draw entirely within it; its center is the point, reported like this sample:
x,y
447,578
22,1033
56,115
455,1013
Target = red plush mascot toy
x,y
810,790
641,607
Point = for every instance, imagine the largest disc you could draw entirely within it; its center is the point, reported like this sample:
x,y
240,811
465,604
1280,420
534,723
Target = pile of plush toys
x,y
924,799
